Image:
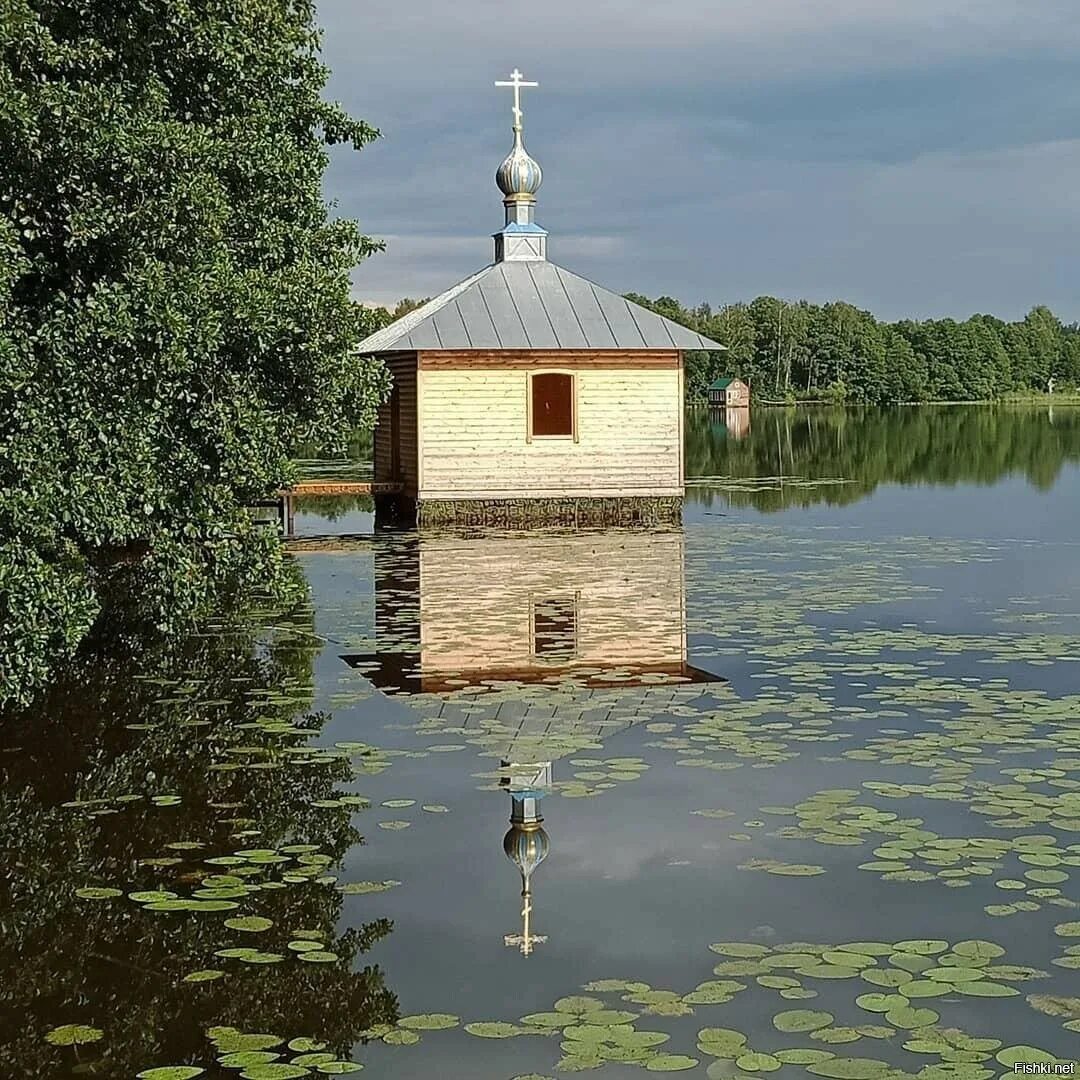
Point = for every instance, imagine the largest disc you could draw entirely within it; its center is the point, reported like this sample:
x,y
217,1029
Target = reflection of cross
x,y
517,83
526,940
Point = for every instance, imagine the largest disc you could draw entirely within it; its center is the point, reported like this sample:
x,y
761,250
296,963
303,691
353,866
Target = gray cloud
x,y
916,159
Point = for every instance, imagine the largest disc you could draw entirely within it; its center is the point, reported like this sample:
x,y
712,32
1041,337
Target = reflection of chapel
x,y
532,646
591,610
528,392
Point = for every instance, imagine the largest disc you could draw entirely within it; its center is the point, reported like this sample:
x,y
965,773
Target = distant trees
x,y
791,349
376,316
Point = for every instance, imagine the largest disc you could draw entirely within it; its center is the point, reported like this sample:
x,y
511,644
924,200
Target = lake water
x,y
815,804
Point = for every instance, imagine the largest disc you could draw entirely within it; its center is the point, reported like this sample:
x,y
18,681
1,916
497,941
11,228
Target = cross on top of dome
x,y
517,83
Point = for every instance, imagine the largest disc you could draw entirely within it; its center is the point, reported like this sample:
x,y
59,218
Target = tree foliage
x,y
791,349
174,303
213,718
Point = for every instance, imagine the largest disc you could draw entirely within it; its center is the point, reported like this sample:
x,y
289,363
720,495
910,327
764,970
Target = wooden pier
x,y
284,503
340,487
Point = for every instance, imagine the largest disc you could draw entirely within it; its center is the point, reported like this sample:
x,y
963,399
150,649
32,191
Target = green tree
x,y
1043,333
405,305
174,303
905,371
733,326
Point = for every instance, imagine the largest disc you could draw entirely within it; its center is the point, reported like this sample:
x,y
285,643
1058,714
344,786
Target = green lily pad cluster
x,y
595,775
406,1032
264,1056
909,852
594,1035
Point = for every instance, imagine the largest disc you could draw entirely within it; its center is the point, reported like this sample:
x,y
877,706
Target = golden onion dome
x,y
526,846
519,174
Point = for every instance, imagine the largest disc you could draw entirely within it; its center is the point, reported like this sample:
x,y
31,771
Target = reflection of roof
x,y
722,384
531,305
398,672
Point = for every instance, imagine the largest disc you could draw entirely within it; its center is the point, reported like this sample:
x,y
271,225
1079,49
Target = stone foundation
x,y
394,512
524,513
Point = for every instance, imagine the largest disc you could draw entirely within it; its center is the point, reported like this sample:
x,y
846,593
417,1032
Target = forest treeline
x,y
791,350
794,349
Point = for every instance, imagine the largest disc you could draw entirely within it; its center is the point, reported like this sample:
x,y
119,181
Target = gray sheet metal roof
x,y
531,305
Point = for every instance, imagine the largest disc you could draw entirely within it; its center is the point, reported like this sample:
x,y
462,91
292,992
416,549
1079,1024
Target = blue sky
x,y
917,158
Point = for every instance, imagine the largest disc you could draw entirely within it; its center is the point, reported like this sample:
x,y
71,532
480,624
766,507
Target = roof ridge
x,y
417,328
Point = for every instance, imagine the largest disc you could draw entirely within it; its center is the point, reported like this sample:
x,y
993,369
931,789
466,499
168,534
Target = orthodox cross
x,y
517,83
527,939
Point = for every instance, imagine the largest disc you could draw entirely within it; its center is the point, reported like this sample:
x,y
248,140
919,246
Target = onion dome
x,y
526,846
519,174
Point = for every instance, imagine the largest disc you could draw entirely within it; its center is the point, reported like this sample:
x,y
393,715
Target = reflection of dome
x,y
527,846
519,174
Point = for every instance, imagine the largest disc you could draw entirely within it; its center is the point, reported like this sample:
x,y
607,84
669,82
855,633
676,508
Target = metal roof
x,y
531,305
722,384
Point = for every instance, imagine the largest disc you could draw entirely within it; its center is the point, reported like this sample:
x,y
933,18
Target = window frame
x,y
530,435
565,653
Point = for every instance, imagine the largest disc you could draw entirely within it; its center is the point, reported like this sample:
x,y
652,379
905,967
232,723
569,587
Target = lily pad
x,y
429,1021
94,892
670,1063
849,1068
880,1002
304,1045
229,1041
803,1057
924,988
253,924
739,949
908,1017
245,1059
74,1035
579,1004
361,888
985,988
206,975
171,1072
923,946
401,1037
493,1030
799,1020
276,1071
837,1035
757,1062
722,1042
1015,1055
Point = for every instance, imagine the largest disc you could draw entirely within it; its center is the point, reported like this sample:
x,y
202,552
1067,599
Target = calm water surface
x,y
836,717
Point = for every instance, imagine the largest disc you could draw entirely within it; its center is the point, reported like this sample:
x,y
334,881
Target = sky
x,y
918,158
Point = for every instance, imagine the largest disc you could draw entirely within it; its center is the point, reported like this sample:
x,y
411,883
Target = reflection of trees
x,y
168,721
332,507
924,445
